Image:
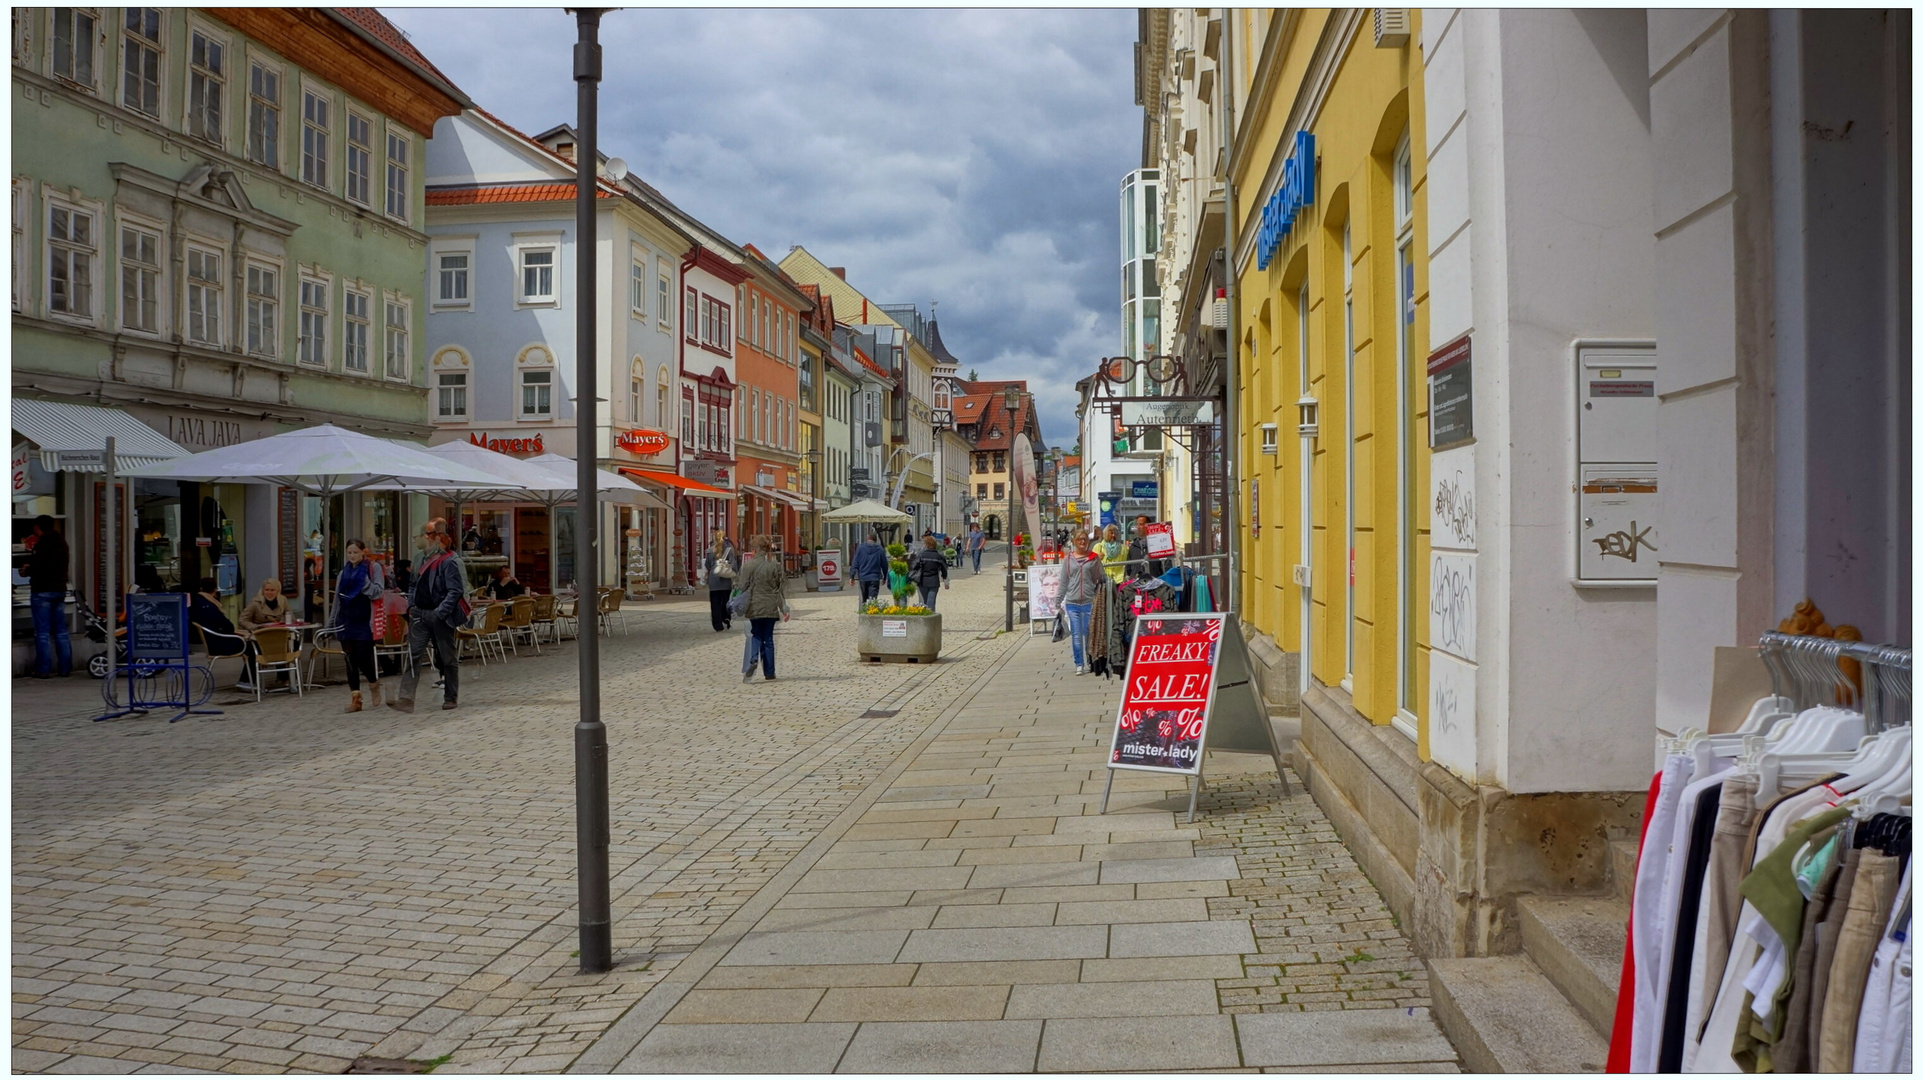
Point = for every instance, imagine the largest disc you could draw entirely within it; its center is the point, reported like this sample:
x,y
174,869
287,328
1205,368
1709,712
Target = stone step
x,y
1577,942
1503,1015
1622,867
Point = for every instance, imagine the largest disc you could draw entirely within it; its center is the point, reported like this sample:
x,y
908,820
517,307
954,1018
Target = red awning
x,y
673,480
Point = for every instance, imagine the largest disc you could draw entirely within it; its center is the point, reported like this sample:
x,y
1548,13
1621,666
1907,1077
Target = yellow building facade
x,y
1332,275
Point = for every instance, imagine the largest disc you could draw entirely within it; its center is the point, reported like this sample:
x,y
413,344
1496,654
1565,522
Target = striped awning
x,y
73,437
777,496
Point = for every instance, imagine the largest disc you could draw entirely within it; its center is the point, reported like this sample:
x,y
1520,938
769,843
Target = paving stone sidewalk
x,y
855,867
981,915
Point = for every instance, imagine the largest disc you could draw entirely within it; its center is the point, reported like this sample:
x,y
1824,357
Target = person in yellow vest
x,y
1113,552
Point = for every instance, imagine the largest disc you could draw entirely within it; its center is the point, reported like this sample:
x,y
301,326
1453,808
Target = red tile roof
x,y
473,194
372,21
872,366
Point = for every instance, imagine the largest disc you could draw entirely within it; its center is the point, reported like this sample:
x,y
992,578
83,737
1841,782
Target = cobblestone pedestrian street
x,y
855,867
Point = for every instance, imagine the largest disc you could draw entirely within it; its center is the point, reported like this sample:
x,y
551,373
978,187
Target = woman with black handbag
x,y
720,565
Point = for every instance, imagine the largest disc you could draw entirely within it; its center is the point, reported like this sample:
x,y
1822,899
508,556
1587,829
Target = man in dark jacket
x,y
435,611
870,566
1138,552
47,582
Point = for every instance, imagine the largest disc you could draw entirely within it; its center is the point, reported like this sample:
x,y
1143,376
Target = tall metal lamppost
x,y
590,734
1012,396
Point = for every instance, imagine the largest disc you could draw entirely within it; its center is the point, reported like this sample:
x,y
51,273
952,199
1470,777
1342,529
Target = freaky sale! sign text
x,y
1165,702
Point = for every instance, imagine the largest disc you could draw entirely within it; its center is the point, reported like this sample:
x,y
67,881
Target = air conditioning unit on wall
x,y
1391,28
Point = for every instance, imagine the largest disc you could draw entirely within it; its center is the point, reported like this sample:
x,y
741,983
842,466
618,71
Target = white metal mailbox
x,y
1618,505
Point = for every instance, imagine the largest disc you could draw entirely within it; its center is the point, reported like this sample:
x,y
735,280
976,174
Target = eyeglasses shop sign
x,y
1167,413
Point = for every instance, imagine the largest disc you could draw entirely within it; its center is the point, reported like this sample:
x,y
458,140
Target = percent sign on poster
x,y
1168,693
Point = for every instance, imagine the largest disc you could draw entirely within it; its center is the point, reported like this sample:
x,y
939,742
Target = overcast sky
x,y
970,157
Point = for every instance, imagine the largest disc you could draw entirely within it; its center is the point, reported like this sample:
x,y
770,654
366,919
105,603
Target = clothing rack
x,y
1808,671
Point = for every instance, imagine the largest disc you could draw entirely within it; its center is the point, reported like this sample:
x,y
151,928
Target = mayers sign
x,y
642,441
1167,413
508,446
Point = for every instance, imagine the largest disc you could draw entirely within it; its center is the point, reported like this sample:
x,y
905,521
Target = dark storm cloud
x,y
967,156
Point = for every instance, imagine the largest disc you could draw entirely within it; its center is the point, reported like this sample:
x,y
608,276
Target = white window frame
x,y
262,308
213,318
363,151
535,360
637,389
96,34
438,281
52,202
357,331
396,171
153,273
137,42
193,119
523,298
451,361
1408,695
392,303
22,197
317,137
313,320
663,398
638,287
263,146
663,297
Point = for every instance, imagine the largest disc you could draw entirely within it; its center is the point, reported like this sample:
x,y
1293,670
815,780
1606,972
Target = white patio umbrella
x,y
324,461
867,510
609,487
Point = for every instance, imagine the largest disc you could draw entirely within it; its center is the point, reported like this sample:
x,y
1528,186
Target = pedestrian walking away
x,y
47,570
929,571
719,566
977,540
437,608
870,565
1081,575
762,583
356,592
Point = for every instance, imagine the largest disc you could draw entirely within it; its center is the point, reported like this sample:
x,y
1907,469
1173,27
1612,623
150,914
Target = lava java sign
x,y
642,441
1167,694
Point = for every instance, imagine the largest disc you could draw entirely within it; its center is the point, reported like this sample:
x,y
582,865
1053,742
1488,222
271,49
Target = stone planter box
x,y
899,639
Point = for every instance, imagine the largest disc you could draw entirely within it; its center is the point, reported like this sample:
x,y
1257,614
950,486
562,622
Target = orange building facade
x,y
771,309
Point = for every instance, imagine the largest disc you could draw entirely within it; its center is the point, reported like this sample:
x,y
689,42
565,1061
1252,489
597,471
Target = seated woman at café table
x,y
204,610
504,586
268,608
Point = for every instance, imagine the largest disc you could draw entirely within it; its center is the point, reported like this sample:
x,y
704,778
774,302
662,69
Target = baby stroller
x,y
96,631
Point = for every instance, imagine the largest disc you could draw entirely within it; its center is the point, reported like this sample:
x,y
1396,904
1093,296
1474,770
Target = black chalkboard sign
x,y
157,626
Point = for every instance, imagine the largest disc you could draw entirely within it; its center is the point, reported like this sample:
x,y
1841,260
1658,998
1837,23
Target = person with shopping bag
x,y
720,565
763,601
360,619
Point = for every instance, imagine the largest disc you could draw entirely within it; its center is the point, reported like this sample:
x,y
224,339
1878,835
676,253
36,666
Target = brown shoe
x,y
374,689
354,701
401,706
445,705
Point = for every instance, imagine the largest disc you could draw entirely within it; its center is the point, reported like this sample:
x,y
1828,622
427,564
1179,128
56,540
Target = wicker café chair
x,y
484,629
546,618
519,622
279,652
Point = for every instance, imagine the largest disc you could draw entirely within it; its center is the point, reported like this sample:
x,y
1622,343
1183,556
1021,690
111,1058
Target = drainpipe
x,y
1231,399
